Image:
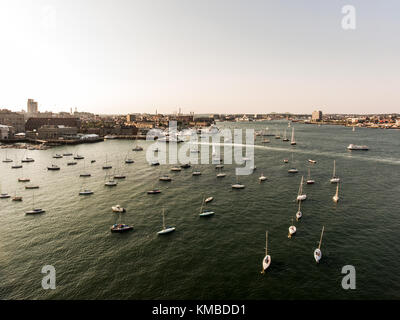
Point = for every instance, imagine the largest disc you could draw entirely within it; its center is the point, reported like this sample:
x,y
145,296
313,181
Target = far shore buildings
x,y
12,119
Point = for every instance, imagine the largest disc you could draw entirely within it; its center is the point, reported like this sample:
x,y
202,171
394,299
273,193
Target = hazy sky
x,y
222,56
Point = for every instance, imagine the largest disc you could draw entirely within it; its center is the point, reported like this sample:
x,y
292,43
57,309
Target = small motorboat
x,y
196,173
118,208
53,167
312,161
285,160
16,166
85,192
128,161
221,175
137,148
57,156
35,211
155,163
121,228
185,166
293,170
209,199
24,179
78,157
356,147
16,198
154,191
71,163
28,160
165,178
219,166
4,196
176,169
119,176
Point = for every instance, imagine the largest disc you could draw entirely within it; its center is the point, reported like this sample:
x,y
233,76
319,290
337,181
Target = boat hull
x,y
167,230
317,255
266,262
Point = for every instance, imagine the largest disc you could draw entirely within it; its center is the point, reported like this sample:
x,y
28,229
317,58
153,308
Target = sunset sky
x,y
236,56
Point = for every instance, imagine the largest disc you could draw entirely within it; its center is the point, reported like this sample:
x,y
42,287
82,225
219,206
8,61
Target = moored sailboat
x,y
318,252
267,259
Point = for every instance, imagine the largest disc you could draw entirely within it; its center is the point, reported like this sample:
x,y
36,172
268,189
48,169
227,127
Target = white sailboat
x,y
299,214
205,213
334,179
285,137
267,259
106,165
300,195
262,177
6,159
354,128
34,210
84,173
237,185
292,169
309,180
318,252
336,196
292,141
292,230
165,229
221,174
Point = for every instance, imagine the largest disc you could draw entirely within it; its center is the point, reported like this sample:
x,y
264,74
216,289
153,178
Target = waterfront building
x,y
316,116
13,119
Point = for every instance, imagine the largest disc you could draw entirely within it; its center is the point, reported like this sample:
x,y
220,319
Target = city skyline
x,y
204,57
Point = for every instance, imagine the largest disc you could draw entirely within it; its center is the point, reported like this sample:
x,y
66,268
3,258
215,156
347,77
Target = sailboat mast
x,y
163,219
320,241
201,208
266,243
334,168
337,190
301,186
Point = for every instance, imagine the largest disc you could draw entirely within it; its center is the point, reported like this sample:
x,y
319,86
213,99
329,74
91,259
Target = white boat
x,y
6,159
336,196
137,148
300,195
209,199
110,136
106,165
292,230
262,177
165,178
312,161
334,179
53,167
118,208
4,196
79,157
309,180
27,159
196,173
219,166
292,170
57,156
237,185
354,128
318,252
84,174
165,229
285,139
34,210
267,259
292,141
299,214
205,213
85,192
111,183
176,169
285,160
357,147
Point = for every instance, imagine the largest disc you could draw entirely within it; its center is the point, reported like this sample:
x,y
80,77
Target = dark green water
x,y
216,258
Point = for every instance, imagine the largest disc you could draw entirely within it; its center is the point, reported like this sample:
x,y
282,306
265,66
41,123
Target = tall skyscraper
x,y
32,106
